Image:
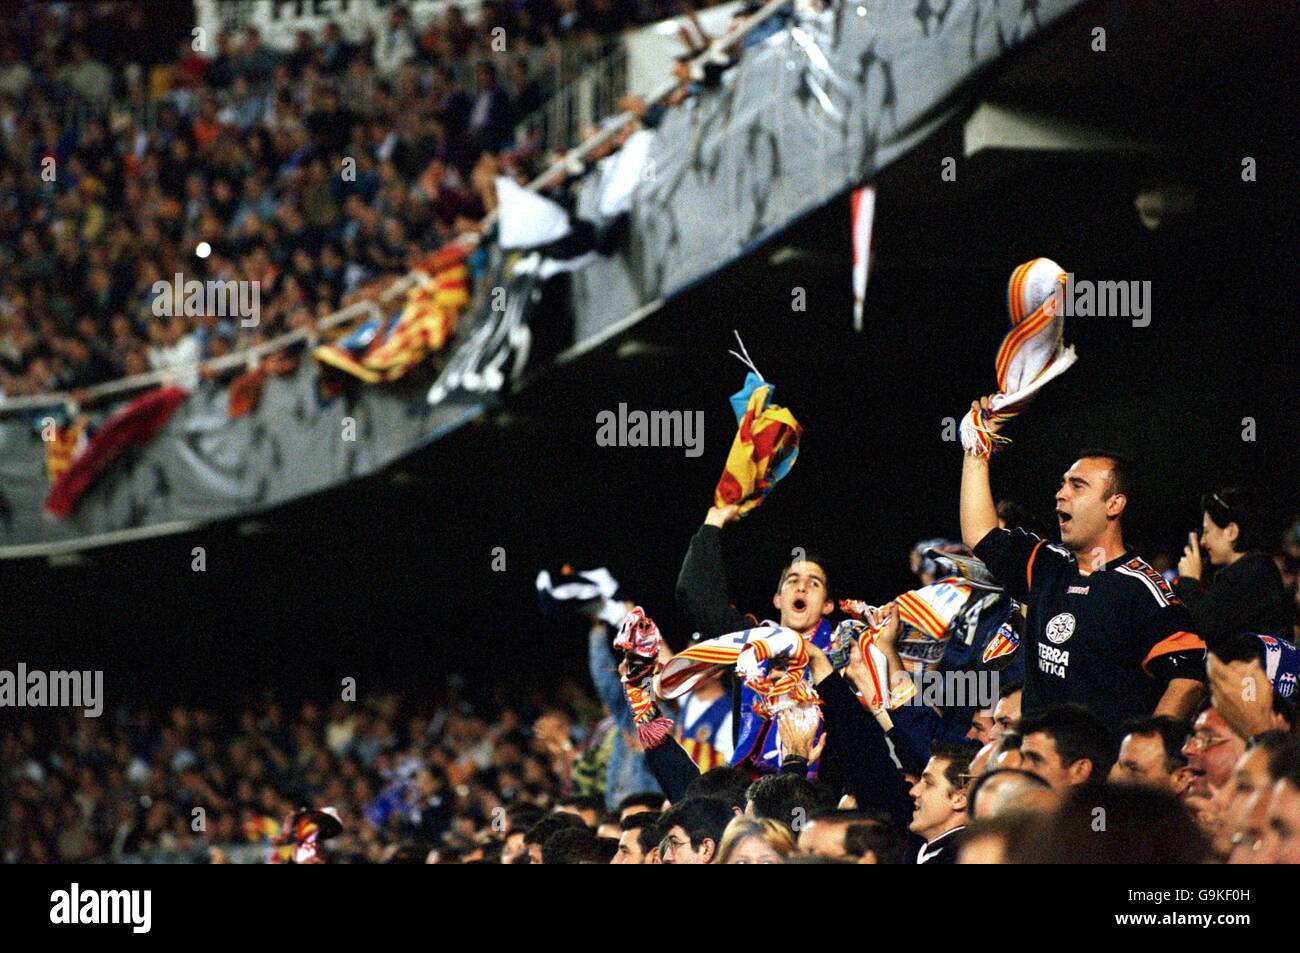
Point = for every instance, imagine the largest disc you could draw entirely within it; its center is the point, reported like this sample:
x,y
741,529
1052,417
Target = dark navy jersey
x,y
1109,639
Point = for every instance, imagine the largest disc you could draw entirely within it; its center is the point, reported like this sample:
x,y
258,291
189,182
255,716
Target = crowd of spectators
x,y
311,171
557,774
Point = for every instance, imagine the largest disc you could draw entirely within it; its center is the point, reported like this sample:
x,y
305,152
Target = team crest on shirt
x,y
703,733
1059,628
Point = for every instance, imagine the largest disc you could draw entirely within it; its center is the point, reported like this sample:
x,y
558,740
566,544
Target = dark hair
x,y
959,758
1121,471
983,779
1008,689
1018,516
577,847
1133,813
648,837
1171,732
651,799
809,556
1271,741
543,829
1246,647
1257,531
583,802
780,796
724,783
1077,733
523,817
1284,763
1010,741
635,822
877,837
1242,647
700,818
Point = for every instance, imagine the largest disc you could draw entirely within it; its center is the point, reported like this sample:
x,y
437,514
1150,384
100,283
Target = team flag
x,y
384,349
1032,353
766,444
133,425
62,444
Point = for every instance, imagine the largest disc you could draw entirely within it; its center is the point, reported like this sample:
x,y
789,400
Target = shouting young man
x,y
802,600
1105,630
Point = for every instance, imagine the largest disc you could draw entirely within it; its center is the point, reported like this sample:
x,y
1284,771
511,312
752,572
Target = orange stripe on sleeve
x,y
1178,642
1029,567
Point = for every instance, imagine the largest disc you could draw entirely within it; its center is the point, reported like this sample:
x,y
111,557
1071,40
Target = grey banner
x,y
809,112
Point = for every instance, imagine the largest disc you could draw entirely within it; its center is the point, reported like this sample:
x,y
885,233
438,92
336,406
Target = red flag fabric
x,y
133,425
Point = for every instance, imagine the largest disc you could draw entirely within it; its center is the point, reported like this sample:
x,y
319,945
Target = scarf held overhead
x,y
1032,353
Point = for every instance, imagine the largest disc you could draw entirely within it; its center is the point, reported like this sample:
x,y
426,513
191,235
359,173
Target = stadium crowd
x,y
312,172
1162,696
562,776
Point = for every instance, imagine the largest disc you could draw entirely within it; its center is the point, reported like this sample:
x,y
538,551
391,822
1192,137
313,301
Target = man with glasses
x,y
694,830
1246,593
1212,751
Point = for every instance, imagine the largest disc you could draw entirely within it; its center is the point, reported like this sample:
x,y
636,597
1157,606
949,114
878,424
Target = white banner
x,y
280,20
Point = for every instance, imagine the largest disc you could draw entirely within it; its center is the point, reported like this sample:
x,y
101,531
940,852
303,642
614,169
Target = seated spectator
x,y
1246,593
1212,751
1282,838
1067,746
1241,830
1007,710
693,831
874,842
826,833
1152,754
631,849
995,839
789,799
1131,813
755,841
577,846
1009,790
940,798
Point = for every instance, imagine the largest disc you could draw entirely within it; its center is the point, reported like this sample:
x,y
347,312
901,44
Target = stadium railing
x,y
571,162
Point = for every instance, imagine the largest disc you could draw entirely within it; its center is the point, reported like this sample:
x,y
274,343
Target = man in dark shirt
x,y
1246,594
1105,630
802,600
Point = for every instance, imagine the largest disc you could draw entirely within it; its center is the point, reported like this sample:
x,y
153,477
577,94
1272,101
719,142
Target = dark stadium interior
x,y
366,674
391,580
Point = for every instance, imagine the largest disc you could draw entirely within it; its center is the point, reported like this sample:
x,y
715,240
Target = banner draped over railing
x,y
811,110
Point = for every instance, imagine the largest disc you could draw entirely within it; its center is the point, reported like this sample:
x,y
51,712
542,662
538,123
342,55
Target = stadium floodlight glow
x,y
203,249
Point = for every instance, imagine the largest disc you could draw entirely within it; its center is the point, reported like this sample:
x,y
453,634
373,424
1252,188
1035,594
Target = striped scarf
x,y
1032,353
639,640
